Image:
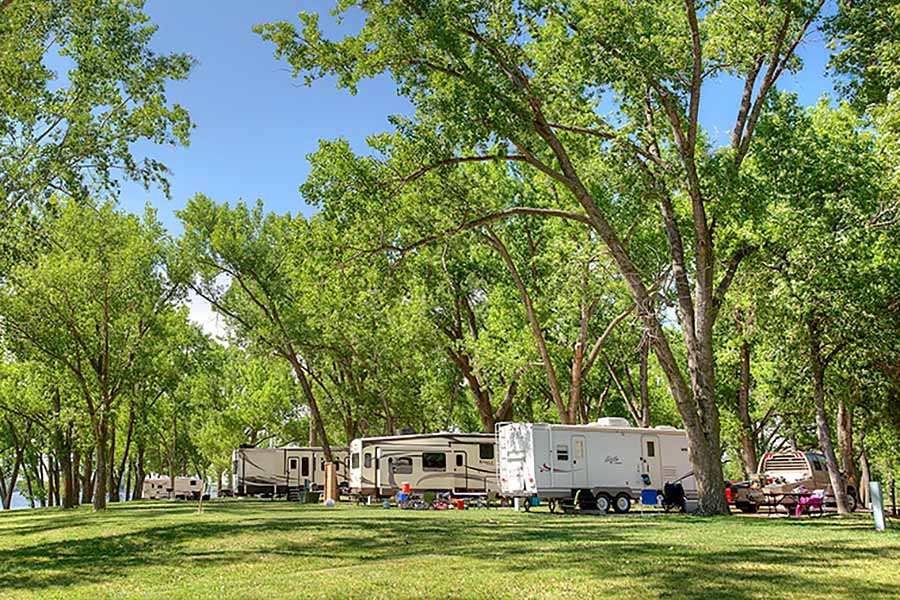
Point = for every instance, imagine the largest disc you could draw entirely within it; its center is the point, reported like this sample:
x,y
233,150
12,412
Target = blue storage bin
x,y
648,497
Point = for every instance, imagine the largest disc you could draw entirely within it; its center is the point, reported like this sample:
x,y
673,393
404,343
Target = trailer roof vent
x,y
665,428
613,422
406,431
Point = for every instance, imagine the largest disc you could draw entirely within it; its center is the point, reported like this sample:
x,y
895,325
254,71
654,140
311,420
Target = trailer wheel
x,y
604,502
622,503
551,504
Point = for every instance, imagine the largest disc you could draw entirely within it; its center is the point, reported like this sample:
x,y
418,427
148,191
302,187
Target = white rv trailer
x,y
610,460
276,471
438,462
159,487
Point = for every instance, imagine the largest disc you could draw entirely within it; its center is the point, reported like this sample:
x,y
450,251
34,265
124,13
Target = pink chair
x,y
815,501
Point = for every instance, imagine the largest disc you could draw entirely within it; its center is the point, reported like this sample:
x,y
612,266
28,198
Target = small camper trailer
x,y
609,462
276,471
439,462
159,487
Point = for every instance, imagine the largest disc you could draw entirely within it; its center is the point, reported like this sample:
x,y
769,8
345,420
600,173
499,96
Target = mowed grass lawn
x,y
266,549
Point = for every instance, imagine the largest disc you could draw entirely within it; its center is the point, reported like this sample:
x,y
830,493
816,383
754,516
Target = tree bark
x,y
315,415
172,452
17,463
845,439
864,478
748,431
87,484
822,427
139,475
113,481
100,479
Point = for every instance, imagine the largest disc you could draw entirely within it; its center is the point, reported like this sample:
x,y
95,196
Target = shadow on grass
x,y
667,555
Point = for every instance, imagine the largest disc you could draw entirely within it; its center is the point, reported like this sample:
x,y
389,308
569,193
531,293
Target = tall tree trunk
x,y
315,415
75,470
864,478
172,454
113,480
748,431
28,487
102,475
845,439
44,494
87,478
126,489
480,395
19,449
822,427
139,474
69,494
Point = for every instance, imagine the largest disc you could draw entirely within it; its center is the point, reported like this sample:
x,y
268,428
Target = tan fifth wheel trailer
x,y
159,487
461,463
277,471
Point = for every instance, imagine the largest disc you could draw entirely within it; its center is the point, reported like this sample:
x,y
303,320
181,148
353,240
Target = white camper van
x,y
277,471
439,462
608,461
159,487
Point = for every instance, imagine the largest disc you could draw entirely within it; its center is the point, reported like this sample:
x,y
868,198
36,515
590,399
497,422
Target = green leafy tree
x,y
87,306
522,83
80,85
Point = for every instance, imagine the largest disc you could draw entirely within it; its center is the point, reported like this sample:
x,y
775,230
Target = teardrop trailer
x,y
602,465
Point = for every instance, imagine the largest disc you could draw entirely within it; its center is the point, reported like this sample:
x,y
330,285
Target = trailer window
x,y
322,465
434,461
367,460
651,449
486,451
817,465
401,466
562,452
354,461
193,482
459,460
293,466
304,466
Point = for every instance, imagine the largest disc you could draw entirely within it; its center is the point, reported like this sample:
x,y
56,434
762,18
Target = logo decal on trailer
x,y
613,460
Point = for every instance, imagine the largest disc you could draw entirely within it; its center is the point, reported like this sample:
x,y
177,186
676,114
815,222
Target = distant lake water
x,y
19,501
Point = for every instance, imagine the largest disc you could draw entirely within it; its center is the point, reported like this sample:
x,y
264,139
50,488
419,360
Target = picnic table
x,y
786,499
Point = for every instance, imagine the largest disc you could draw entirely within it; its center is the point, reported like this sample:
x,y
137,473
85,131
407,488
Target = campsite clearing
x,y
276,549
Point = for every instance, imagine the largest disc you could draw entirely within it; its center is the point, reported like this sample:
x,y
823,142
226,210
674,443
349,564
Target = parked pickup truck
x,y
781,472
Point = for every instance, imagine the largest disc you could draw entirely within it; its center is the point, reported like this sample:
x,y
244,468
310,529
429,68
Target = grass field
x,y
264,549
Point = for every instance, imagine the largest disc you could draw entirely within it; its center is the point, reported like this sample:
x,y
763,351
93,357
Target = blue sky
x,y
255,124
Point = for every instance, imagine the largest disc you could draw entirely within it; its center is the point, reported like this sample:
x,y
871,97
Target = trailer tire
x,y
622,503
551,504
604,502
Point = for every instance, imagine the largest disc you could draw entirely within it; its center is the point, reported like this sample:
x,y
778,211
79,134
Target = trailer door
x,y
579,462
293,472
460,471
650,460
